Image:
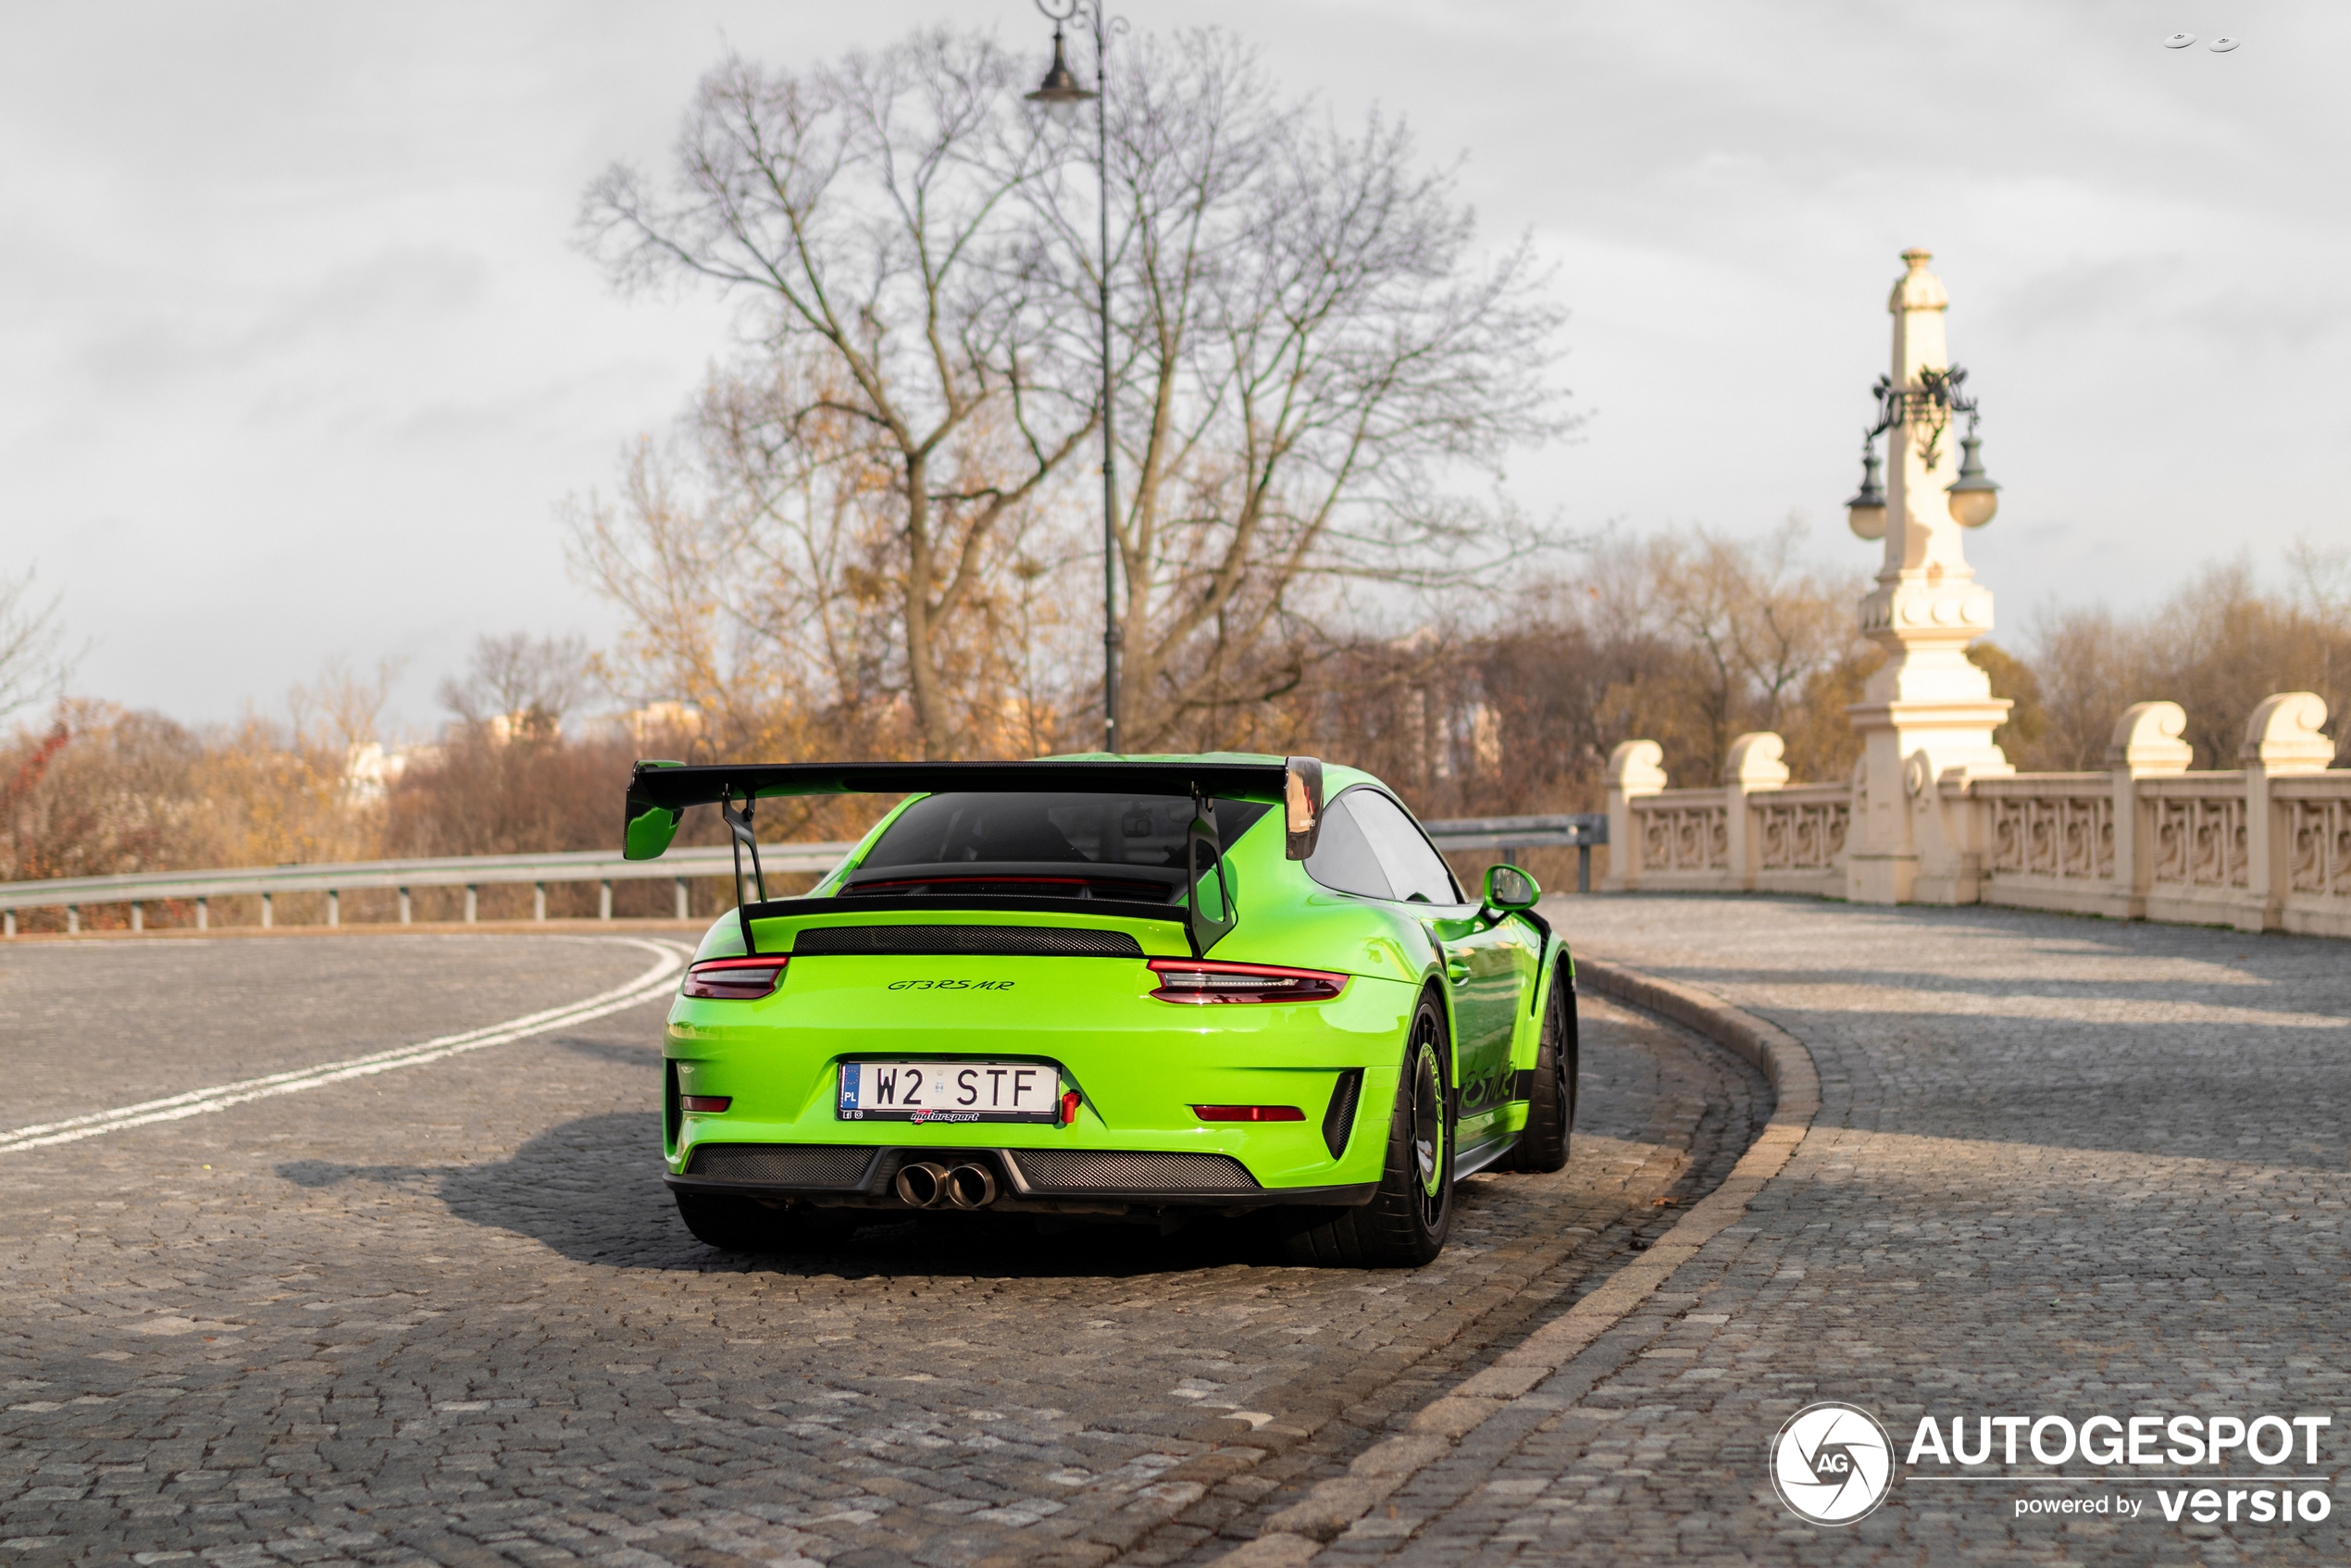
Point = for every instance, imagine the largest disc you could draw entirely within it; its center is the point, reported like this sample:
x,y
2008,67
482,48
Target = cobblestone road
x,y
2061,1167
447,1314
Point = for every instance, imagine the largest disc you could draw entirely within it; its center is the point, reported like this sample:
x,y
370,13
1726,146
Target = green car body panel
x,y
1137,1064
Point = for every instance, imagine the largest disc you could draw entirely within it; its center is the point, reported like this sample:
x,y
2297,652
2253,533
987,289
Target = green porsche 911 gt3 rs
x,y
1122,987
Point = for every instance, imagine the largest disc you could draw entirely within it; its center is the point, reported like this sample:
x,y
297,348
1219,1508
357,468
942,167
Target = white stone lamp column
x,y
1926,718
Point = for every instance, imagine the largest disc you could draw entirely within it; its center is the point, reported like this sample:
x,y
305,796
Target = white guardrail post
x,y
1513,834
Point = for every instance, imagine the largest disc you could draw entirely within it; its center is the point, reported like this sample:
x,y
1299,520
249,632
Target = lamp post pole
x,y
1061,87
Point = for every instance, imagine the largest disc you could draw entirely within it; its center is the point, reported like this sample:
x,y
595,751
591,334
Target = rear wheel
x,y
735,1224
1405,1223
1550,1104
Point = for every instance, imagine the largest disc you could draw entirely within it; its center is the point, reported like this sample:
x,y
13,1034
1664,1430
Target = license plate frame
x,y
949,1090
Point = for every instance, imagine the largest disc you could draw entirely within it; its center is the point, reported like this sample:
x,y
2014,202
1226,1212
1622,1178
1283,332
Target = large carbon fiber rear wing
x,y
659,793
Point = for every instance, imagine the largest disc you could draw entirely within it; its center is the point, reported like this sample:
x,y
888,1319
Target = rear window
x,y
950,829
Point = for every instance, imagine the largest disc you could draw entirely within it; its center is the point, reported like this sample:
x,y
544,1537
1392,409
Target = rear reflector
x,y
704,1104
1249,1113
735,979
1200,979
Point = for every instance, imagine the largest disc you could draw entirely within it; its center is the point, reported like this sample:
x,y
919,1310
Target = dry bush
x,y
104,792
1690,642
2217,647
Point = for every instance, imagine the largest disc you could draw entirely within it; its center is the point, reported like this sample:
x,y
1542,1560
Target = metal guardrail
x,y
469,872
1511,834
680,866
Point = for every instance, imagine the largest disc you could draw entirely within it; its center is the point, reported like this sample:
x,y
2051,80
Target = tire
x,y
735,1224
1550,1104
1409,1217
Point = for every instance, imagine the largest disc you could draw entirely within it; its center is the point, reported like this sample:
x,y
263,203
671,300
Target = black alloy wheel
x,y
1409,1215
1550,1102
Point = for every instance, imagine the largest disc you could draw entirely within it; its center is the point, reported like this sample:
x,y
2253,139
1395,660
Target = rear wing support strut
x,y
743,838
1206,933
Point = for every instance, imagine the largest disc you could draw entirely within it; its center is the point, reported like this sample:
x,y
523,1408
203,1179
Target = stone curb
x,y
1299,1532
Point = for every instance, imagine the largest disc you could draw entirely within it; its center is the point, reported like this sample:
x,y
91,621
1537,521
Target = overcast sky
x,y
299,362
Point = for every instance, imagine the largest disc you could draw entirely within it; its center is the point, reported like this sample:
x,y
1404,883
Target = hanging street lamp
x,y
1061,92
1865,513
1973,498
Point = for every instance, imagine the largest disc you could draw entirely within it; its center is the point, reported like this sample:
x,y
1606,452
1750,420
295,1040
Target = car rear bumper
x,y
1034,1180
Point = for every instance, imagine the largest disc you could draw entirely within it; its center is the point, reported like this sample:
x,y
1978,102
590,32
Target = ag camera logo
x,y
1832,1463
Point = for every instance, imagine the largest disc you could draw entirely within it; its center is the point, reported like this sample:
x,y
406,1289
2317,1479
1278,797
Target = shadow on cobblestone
x,y
2167,1054
591,1189
624,1053
452,1317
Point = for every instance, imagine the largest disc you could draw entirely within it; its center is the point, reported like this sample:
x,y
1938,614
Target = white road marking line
x,y
653,982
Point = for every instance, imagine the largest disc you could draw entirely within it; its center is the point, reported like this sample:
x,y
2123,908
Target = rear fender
x,y
1557,969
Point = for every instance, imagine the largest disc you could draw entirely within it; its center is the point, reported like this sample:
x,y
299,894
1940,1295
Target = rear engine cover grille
x,y
977,941
786,1164
1086,1170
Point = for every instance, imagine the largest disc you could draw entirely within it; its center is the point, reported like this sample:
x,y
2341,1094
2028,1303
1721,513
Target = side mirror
x,y
1302,804
1508,888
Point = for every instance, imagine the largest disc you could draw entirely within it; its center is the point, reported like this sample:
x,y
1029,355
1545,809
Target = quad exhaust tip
x,y
930,1186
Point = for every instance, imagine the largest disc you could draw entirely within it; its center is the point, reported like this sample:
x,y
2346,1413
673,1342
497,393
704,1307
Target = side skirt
x,y
1469,1162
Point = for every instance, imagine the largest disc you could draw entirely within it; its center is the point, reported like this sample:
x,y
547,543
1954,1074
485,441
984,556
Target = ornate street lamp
x,y
1865,513
1973,497
1062,93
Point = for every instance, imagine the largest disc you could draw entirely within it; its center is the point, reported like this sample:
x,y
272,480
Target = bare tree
x,y
529,683
341,709
759,574
1756,624
2217,647
877,504
866,208
33,664
1311,349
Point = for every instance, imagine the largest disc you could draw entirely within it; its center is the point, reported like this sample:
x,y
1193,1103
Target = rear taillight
x,y
1249,1113
735,979
1200,980
704,1104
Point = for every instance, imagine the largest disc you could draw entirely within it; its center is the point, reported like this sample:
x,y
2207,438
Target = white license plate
x,y
950,1091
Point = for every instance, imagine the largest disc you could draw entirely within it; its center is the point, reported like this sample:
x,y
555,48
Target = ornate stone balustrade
x,y
1686,832
2200,869
2048,838
1800,829
2263,847
2318,829
1757,833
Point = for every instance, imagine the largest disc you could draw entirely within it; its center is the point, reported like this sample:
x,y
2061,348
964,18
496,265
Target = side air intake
x,y
1339,1122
